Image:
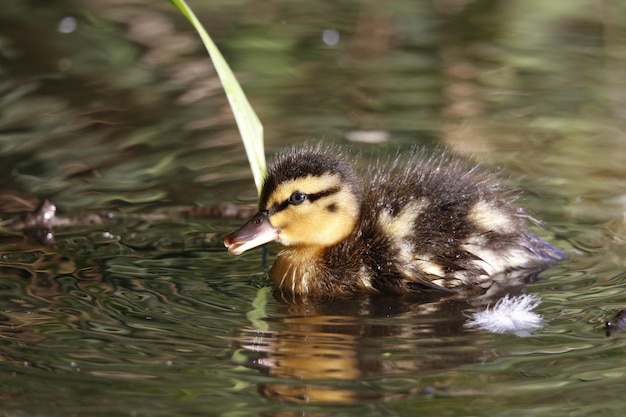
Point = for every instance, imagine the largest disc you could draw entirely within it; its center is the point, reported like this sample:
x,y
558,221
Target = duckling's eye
x,y
297,198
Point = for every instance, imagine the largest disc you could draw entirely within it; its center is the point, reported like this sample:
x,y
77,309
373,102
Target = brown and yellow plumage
x,y
418,222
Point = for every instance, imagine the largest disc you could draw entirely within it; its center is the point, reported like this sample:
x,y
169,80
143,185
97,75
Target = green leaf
x,y
248,122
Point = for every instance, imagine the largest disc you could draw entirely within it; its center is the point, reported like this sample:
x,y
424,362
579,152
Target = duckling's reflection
x,y
324,351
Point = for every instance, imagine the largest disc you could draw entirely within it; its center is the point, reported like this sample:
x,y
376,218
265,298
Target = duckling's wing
x,y
451,226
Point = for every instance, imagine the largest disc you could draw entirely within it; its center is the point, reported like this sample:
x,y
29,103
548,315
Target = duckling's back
x,y
437,222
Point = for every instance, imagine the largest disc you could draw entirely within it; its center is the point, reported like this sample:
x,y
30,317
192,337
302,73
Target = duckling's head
x,y
310,199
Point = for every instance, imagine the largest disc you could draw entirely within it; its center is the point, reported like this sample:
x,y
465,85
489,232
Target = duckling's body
x,y
414,224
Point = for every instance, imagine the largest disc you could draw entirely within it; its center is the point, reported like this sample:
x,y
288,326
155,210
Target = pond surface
x,y
113,109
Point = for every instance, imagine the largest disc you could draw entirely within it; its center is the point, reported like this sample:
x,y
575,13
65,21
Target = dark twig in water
x,y
38,224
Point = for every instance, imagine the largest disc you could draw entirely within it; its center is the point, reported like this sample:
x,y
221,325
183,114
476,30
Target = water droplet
x,y
67,25
330,37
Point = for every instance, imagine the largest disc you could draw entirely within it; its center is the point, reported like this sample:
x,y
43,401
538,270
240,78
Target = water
x,y
113,109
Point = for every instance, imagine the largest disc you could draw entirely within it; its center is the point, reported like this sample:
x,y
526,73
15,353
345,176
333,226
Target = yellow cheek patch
x,y
489,218
312,224
322,221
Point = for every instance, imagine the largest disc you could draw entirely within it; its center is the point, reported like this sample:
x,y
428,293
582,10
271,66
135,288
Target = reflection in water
x,y
324,351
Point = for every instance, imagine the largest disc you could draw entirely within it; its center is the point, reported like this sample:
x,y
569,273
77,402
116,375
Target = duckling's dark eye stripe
x,y
311,197
279,207
316,196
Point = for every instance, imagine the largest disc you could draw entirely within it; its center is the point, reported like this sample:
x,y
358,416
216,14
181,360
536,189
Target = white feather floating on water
x,y
510,315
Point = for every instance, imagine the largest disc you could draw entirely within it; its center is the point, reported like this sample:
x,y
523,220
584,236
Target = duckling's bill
x,y
256,232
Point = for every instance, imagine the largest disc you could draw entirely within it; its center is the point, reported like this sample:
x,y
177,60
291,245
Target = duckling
x,y
419,222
